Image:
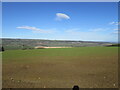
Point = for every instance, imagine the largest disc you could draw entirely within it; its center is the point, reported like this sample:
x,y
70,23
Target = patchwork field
x,y
88,67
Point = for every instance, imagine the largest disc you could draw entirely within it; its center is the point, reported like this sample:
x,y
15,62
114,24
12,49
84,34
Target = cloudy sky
x,y
87,21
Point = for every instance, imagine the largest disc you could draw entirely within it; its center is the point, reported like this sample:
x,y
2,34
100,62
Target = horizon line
x,y
61,39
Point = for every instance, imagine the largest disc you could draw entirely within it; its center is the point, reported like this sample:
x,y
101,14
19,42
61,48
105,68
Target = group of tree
x,y
2,49
114,45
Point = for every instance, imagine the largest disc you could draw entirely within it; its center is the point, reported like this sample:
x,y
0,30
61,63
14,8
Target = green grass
x,y
61,67
82,51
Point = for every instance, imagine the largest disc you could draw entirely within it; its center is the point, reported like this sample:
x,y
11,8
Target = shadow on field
x,y
76,87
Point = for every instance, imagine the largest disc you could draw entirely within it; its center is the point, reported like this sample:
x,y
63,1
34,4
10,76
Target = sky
x,y
86,21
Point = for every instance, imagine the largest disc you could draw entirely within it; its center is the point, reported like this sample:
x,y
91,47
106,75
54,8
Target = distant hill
x,y
9,43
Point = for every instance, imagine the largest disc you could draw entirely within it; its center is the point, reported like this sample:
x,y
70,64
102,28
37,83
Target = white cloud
x,y
111,23
74,30
99,29
78,30
117,32
114,23
36,30
60,16
117,23
116,29
89,35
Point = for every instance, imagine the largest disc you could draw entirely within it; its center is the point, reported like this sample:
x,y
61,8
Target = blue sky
x,y
87,21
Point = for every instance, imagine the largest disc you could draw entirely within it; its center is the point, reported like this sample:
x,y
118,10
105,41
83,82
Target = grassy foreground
x,y
88,67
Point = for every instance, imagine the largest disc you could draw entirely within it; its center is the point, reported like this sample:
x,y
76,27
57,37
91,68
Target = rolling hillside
x,y
10,44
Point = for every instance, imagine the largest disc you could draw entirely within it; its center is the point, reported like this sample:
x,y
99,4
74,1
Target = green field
x,y
88,67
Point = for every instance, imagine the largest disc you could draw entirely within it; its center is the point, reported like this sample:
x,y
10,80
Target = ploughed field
x,y
87,67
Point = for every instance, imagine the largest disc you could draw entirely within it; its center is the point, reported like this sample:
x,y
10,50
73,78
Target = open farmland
x,y
88,67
